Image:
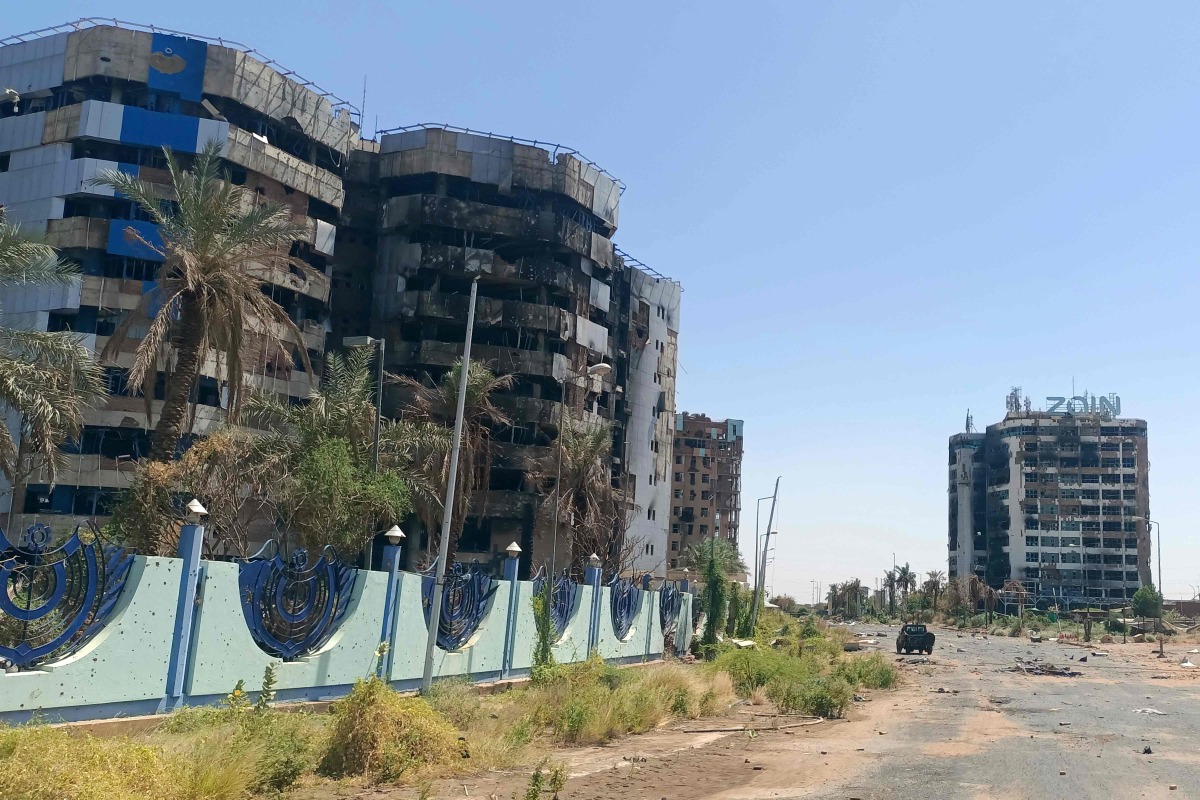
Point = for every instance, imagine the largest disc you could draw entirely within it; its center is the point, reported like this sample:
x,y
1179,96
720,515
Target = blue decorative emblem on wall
x,y
624,601
55,598
670,601
293,607
464,602
562,599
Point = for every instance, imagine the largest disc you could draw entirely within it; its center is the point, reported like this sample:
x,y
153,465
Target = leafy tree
x,y
786,603
1146,602
309,471
48,379
217,245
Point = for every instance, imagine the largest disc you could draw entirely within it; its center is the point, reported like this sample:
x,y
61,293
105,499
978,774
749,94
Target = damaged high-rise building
x,y
416,216
84,98
1055,501
706,487
429,209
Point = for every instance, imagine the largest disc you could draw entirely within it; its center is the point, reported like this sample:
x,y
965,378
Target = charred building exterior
x,y
416,215
1055,501
430,209
88,98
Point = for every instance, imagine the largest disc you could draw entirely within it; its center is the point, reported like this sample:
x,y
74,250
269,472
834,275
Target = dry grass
x,y
40,763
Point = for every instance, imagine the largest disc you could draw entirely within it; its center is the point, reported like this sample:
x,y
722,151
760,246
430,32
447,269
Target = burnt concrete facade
x,y
91,97
1055,502
429,209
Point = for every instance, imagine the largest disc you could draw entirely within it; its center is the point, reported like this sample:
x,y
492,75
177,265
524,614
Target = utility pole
x,y
440,568
760,581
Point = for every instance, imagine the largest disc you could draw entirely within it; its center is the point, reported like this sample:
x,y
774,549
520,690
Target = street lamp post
x,y
601,369
757,512
439,568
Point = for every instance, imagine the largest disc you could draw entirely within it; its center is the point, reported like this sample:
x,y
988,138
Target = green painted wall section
x,y
126,661
225,653
483,653
129,659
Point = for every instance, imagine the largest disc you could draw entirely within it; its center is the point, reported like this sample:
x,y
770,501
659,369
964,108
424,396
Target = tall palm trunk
x,y
179,383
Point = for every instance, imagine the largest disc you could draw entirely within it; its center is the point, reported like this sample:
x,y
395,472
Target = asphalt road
x,y
993,734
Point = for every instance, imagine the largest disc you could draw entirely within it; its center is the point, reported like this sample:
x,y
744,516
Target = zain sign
x,y
1107,406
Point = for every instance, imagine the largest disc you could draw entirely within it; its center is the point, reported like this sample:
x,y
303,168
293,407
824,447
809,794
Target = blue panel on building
x,y
120,244
151,128
177,65
129,169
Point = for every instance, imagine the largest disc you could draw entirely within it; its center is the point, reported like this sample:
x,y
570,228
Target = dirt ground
x,y
959,727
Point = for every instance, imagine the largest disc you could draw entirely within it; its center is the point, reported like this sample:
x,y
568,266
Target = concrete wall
x,y
167,645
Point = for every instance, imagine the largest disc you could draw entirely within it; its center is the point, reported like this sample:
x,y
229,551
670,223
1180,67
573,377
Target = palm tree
x,y
935,579
437,406
207,294
832,596
343,406
852,596
906,581
49,379
889,583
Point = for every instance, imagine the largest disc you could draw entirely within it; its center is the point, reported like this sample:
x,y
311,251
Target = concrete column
x,y
648,603
591,576
391,562
510,629
191,540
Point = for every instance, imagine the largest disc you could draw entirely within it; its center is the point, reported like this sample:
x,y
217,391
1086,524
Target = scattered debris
x,y
1186,664
1064,724
743,644
1062,772
1146,751
1038,668
1100,653
1083,659
961,650
1106,639
1154,711
921,660
1035,637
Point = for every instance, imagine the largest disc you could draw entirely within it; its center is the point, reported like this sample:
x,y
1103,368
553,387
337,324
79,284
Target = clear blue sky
x,y
883,214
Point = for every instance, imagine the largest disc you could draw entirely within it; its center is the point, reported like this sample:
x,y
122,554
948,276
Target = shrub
x,y
381,735
821,697
870,672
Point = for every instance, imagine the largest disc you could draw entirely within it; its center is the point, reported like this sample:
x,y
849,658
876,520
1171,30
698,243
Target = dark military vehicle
x,y
914,639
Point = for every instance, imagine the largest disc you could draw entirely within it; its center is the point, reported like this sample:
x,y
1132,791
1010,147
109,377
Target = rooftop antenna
x,y
362,111
970,422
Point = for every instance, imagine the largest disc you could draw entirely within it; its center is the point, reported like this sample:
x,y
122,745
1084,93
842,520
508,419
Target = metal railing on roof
x,y
628,259
97,22
555,149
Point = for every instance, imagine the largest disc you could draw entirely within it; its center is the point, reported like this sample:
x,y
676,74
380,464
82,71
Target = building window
x,y
1033,557
678,459
704,478
704,512
703,529
678,494
674,527
679,477
1031,541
